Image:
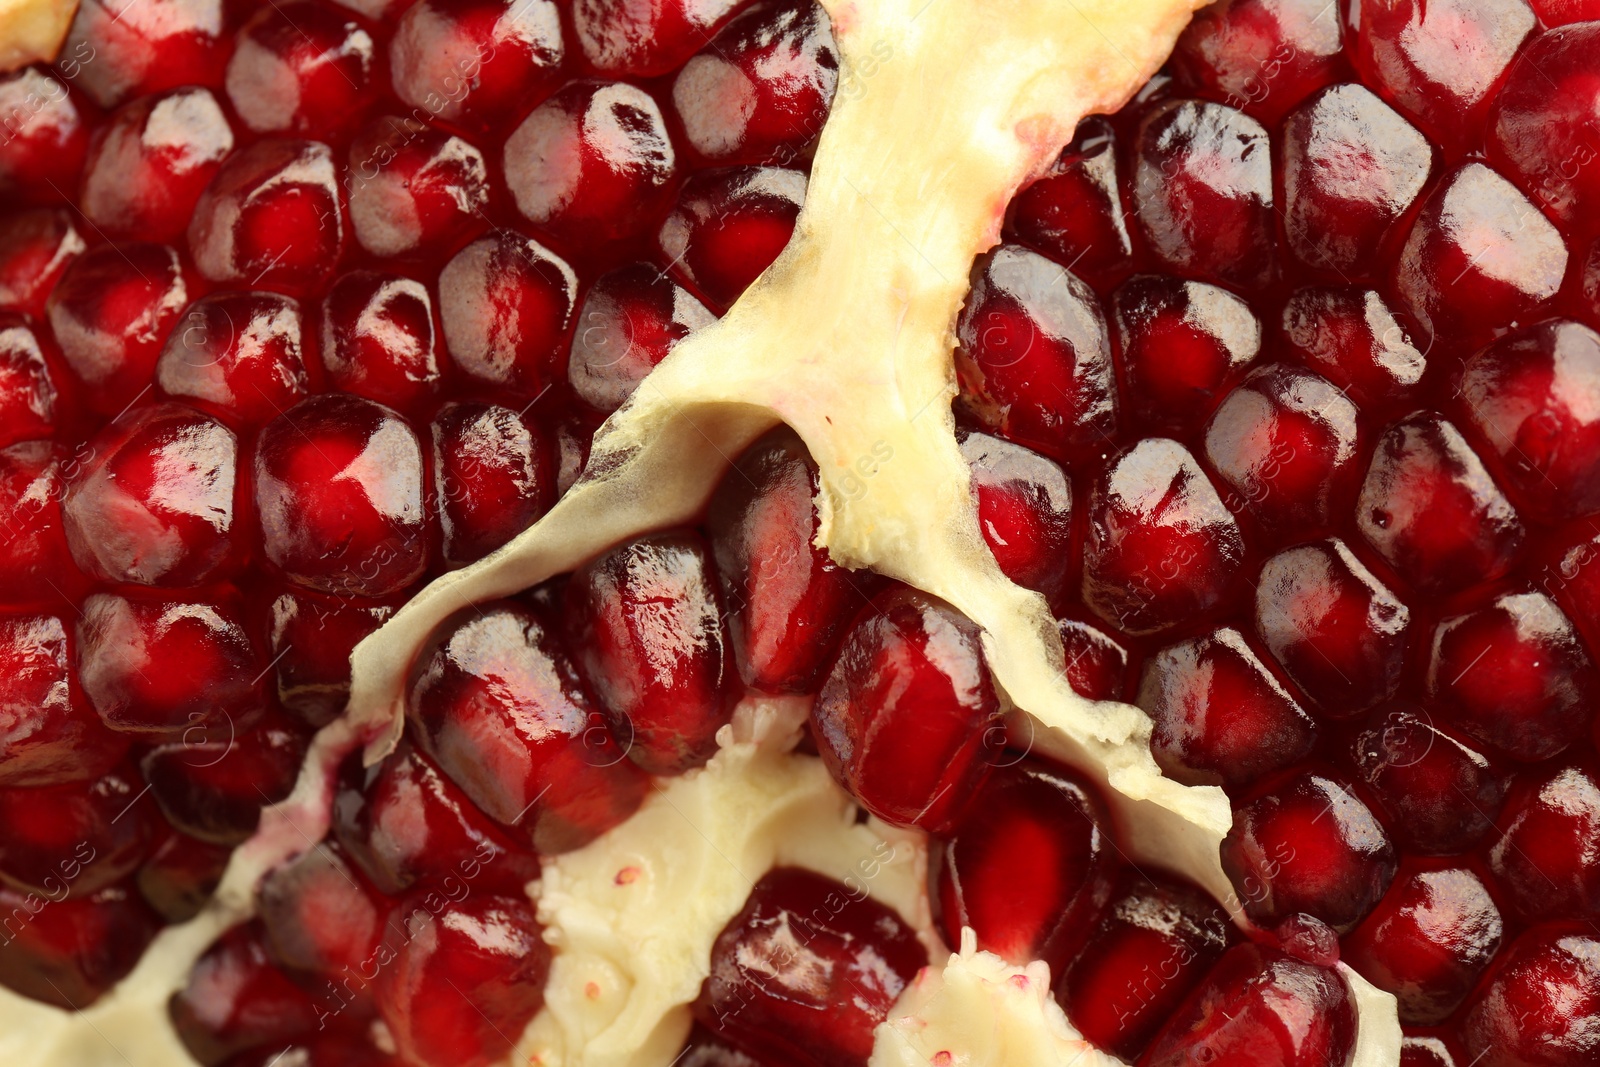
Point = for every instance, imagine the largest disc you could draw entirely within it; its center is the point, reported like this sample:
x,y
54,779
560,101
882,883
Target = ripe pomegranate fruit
x,y
1273,404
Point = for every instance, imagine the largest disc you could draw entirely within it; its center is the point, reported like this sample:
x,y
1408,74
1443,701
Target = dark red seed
x,y
1308,844
1182,343
728,226
320,916
1542,129
476,64
759,91
1220,716
47,136
705,1049
1533,399
1428,940
28,395
35,248
1441,795
1259,1008
648,38
1024,510
339,488
213,783
1029,867
156,504
1429,1050
272,218
118,49
330,1049
506,303
1334,628
312,637
494,475
1547,833
1162,548
160,667
787,600
630,319
496,701
69,953
33,553
303,70
466,981
75,839
406,824
181,874
49,734
151,160
379,339
1095,663
1073,212
1542,1006
1352,338
1154,945
239,354
1262,55
806,971
236,998
1035,359
1561,12
1202,192
908,719
1432,511
414,189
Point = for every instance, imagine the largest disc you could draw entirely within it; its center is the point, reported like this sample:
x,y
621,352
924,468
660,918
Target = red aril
x,y
33,553
506,303
1542,1005
644,38
49,735
69,953
181,874
330,1049
304,70
494,474
476,64
312,636
239,354
35,248
908,719
379,339
29,398
1262,55
1351,337
213,782
320,916
1073,212
118,49
1095,663
1546,835
236,998
728,226
630,319
46,137
75,839
414,189
1024,506
1029,866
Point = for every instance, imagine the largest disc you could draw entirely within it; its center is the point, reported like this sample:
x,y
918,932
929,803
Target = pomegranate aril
x,y
273,217
414,189
1541,132
1428,1050
162,667
593,165
213,783
1440,794
476,63
1220,716
1533,399
494,476
506,302
495,700
30,403
1307,844
181,874
647,623
35,248
1513,674
648,38
1074,213
1562,12
728,226
1548,834
46,137
1285,442
1428,940
1542,1005
34,555
1095,663
1259,1008
705,1049
331,1048
465,982
236,998
1335,629
339,485
1024,504
318,914
908,719
406,824
1431,510
1262,55
1202,192
378,339
69,953
155,502
119,49
1352,338
1162,548
75,839
759,91
313,636
150,162
49,735
630,319
1154,945
1352,168
239,354
303,69
1182,343
1480,256
806,971
1029,867
110,313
